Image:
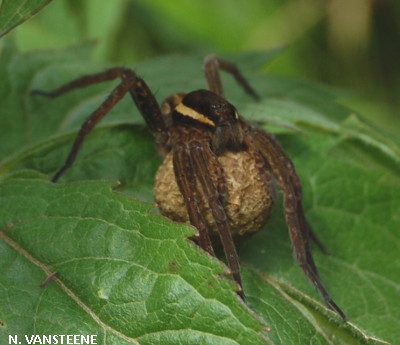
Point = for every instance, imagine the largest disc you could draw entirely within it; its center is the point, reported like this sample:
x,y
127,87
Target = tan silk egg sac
x,y
249,199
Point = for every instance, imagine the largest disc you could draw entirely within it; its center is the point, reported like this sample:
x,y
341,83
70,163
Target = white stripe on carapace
x,y
195,115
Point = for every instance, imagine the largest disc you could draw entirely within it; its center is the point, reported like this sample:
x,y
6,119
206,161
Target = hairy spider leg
x,y
200,164
211,66
287,179
186,181
140,93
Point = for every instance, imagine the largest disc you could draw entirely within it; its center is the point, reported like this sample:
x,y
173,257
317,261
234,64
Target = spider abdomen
x,y
249,197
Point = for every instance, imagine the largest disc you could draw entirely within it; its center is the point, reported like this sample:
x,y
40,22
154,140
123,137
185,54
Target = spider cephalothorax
x,y
219,171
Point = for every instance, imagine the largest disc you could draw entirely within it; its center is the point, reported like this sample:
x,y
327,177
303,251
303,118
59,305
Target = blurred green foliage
x,y
355,45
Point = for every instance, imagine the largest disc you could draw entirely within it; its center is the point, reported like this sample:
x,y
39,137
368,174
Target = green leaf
x,y
131,276
15,12
109,279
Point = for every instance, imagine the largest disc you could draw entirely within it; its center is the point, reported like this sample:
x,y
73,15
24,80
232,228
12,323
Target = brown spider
x,y
217,167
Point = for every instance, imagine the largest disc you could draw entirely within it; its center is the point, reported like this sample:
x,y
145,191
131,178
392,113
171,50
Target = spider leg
x,y
203,161
286,177
211,66
82,82
140,93
186,181
196,162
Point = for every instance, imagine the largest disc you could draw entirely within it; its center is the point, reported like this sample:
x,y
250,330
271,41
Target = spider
x,y
219,171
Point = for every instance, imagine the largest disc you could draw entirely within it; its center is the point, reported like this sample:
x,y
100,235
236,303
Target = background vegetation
x,y
353,45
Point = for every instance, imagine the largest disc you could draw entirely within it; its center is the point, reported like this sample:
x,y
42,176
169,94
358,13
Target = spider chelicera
x,y
217,165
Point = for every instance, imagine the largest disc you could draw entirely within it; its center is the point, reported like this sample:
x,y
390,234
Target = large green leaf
x,y
15,12
109,280
131,276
